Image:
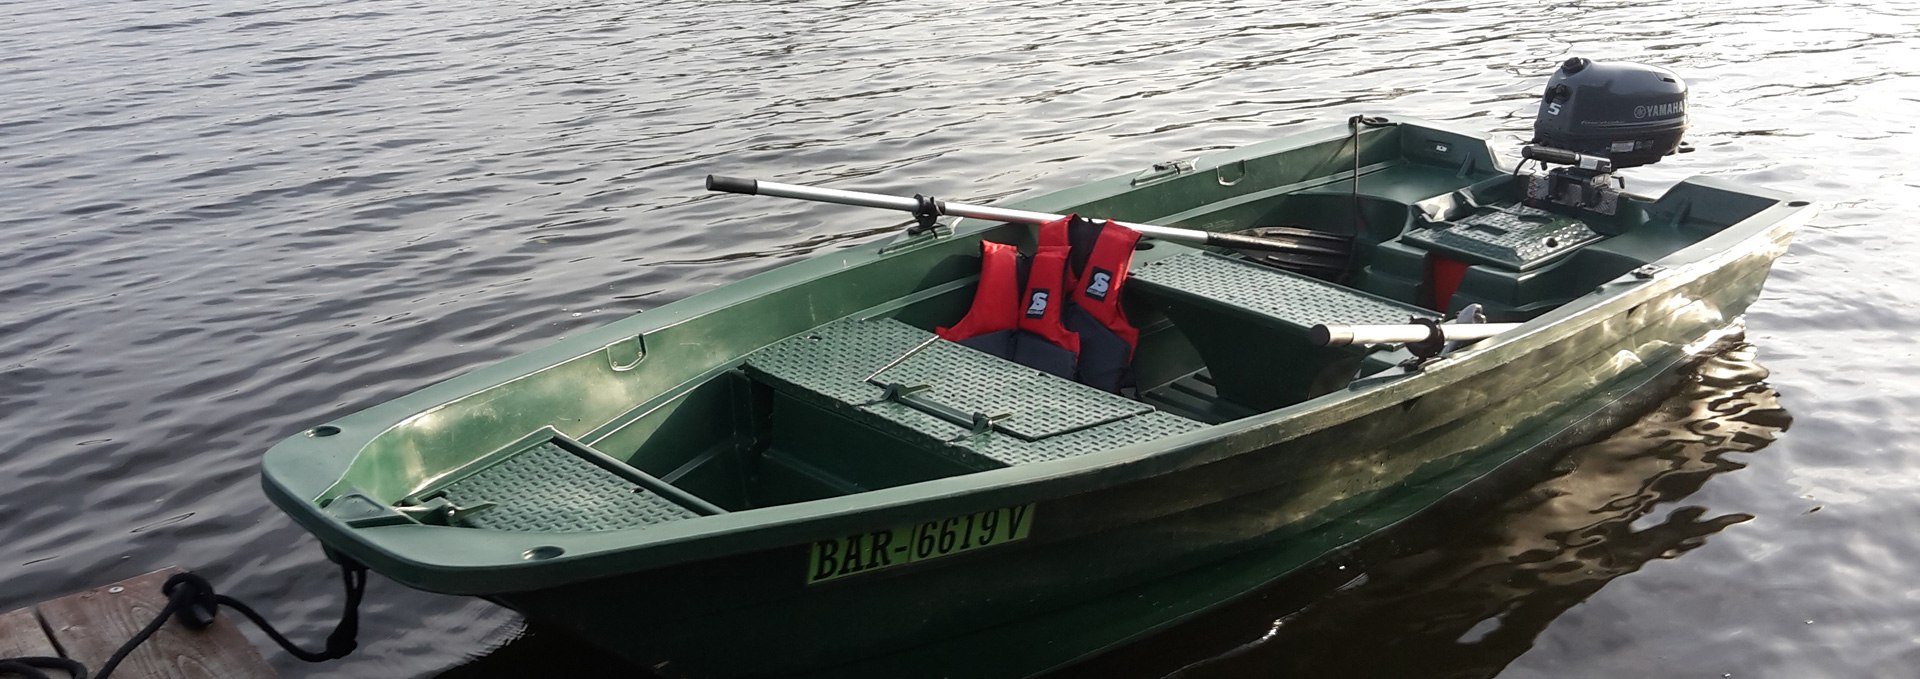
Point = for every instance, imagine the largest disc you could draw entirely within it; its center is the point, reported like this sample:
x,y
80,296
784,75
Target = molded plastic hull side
x,y
1310,563
602,383
1256,486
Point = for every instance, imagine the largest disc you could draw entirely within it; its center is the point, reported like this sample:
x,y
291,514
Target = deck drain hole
x,y
542,553
323,431
1797,203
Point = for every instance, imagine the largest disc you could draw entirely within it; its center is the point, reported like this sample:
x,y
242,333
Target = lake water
x,y
227,221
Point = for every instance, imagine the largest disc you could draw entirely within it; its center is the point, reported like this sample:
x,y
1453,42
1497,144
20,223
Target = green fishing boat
x,y
795,473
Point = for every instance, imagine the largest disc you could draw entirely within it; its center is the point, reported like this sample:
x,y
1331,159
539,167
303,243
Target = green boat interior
x,y
828,381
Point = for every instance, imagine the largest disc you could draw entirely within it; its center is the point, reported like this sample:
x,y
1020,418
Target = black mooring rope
x,y
31,666
192,598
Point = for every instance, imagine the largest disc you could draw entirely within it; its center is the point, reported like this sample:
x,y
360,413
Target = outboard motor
x,y
1601,116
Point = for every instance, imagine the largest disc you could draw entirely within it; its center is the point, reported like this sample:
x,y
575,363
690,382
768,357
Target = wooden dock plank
x,y
21,635
91,625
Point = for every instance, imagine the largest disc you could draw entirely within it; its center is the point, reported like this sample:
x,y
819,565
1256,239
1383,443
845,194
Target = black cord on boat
x,y
1353,139
345,634
192,598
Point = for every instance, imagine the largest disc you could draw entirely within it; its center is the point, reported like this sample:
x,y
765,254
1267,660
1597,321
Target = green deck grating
x,y
837,364
545,488
835,359
1045,417
1009,450
1278,295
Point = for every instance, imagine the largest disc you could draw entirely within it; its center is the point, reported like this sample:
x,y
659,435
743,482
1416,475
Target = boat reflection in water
x,y
1471,601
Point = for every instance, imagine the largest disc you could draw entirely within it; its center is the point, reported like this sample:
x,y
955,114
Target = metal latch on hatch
x,y
910,395
977,423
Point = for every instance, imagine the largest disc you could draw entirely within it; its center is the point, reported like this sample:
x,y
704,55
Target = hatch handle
x,y
912,396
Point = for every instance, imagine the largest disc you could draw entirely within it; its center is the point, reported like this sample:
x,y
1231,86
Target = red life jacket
x,y
1065,316
1000,304
1101,253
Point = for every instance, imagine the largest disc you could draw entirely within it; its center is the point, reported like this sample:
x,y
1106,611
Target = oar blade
x,y
1304,251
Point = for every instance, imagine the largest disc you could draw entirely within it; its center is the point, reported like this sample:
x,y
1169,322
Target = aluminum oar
x,y
1335,335
931,207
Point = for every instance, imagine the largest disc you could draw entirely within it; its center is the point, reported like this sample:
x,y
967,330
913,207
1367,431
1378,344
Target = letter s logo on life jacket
x,y
1037,304
1099,284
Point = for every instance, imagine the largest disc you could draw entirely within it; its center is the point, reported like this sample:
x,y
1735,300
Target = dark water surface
x,y
225,221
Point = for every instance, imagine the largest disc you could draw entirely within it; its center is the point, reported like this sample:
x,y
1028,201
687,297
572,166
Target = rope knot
x,y
193,599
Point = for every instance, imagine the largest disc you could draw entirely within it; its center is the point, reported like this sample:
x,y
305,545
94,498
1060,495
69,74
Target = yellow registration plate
x,y
874,550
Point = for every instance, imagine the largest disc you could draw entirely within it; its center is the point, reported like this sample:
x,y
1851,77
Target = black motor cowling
x,y
1629,113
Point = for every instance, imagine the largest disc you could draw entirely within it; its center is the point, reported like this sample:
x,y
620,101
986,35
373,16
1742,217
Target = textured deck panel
x,y
1005,450
1036,405
1279,295
1048,418
547,489
1517,237
834,360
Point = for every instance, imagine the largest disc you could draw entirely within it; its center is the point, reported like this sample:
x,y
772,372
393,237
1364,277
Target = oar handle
x,y
754,187
733,184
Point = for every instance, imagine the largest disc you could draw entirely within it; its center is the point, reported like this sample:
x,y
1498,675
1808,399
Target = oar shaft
x,y
754,187
1333,335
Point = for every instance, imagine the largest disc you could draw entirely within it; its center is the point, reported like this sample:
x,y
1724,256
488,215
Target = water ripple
x,y
226,224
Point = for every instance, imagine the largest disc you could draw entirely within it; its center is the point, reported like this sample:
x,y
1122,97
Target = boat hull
x,y
948,561
1280,479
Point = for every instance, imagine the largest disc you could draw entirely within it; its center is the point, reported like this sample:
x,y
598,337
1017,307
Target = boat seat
x,y
983,411
550,483
1249,323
